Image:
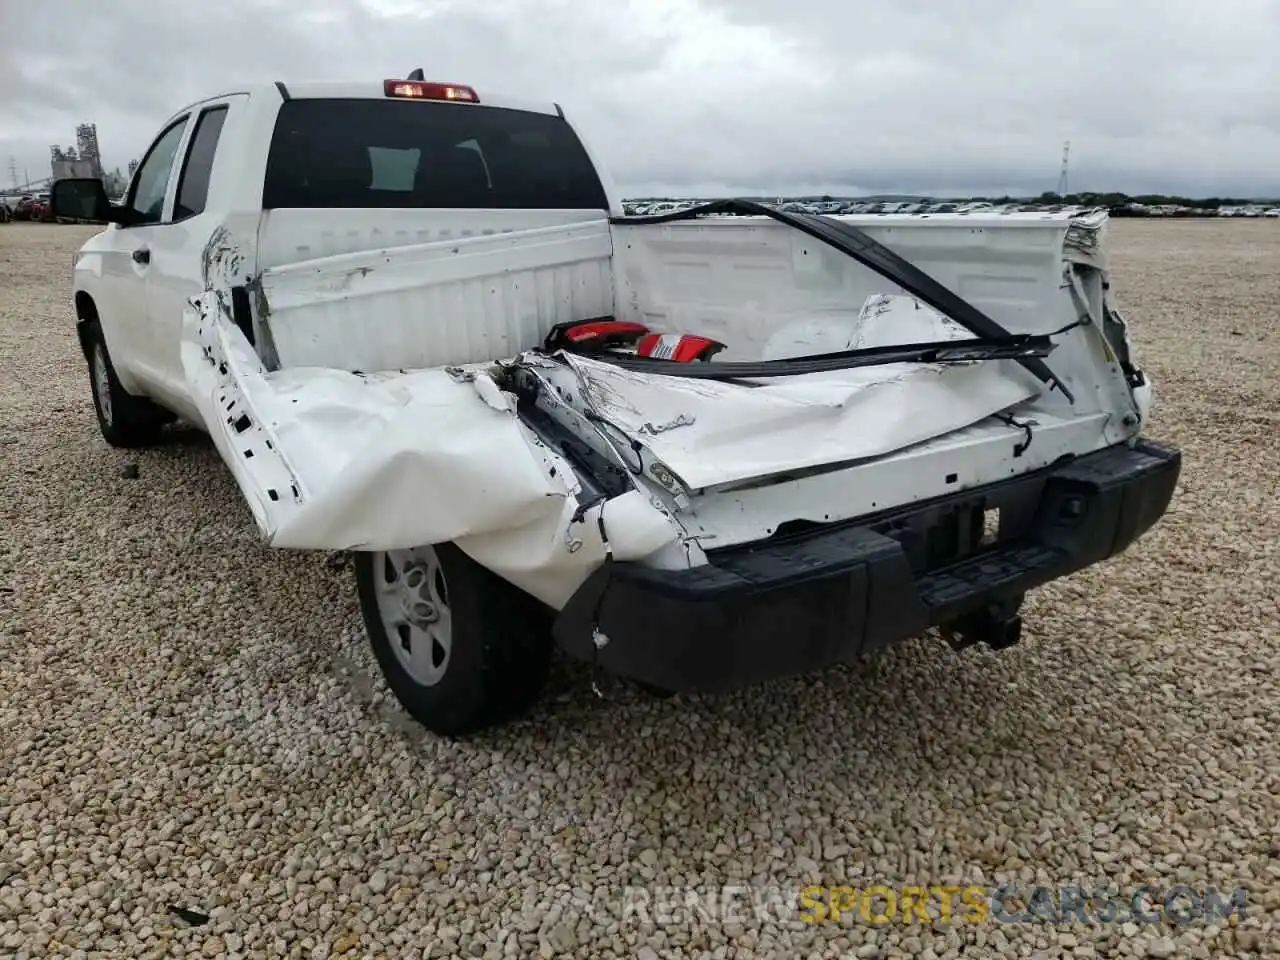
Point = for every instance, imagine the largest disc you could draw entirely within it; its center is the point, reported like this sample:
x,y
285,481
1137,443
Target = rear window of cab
x,y
346,153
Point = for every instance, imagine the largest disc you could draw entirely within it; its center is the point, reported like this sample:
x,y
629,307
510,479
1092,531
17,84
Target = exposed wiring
x,y
1083,321
598,638
591,416
584,507
1025,425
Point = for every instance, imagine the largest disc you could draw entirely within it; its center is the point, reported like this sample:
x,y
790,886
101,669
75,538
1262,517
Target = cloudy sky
x,y
710,97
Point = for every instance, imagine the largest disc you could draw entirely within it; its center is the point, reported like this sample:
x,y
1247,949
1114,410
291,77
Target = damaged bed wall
x,y
291,235
329,459
738,279
362,438
744,281
709,433
445,302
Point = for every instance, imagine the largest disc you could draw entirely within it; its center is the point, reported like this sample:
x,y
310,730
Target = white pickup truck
x,y
700,450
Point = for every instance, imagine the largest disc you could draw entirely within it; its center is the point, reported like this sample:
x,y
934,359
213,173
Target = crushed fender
x,y
332,460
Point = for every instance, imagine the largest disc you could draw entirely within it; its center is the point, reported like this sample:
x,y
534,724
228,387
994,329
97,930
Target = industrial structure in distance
x,y
82,160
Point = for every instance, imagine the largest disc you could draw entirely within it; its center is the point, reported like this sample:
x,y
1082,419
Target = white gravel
x,y
188,718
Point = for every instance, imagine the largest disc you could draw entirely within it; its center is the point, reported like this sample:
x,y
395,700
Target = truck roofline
x,y
372,90
355,90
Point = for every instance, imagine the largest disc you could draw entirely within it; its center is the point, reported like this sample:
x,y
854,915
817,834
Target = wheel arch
x,y
88,317
86,313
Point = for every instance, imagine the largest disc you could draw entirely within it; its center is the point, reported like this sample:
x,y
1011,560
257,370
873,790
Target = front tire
x,y
125,420
461,648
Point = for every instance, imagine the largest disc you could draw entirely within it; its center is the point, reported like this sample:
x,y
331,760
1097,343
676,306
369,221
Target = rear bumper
x,y
803,601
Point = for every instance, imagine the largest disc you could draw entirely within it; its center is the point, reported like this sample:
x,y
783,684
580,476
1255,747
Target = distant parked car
x,y
35,208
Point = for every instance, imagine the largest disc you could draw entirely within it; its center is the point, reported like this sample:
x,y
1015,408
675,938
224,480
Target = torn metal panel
x,y
719,432
793,423
311,447
981,454
329,459
551,557
1085,240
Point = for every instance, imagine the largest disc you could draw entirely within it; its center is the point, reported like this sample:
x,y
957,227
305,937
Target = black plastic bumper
x,y
803,600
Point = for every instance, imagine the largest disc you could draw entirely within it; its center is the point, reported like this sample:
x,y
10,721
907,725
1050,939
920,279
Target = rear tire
x,y
461,648
125,420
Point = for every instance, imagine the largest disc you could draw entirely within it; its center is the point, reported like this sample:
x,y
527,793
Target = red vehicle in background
x,y
34,208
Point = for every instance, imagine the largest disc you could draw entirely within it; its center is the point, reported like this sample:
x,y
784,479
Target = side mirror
x,y
82,198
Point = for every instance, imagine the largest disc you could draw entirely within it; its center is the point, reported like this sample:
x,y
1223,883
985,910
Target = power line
x,y
1062,176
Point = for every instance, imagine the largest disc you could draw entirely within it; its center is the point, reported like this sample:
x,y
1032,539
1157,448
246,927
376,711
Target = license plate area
x,y
944,535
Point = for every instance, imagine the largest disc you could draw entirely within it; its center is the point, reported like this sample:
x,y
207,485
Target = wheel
x,y
125,420
460,647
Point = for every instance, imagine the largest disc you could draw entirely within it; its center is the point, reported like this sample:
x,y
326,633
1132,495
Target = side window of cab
x,y
197,169
147,192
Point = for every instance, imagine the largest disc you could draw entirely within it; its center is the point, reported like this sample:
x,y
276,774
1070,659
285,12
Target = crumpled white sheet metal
x,y
328,459
711,432
333,460
371,460
885,320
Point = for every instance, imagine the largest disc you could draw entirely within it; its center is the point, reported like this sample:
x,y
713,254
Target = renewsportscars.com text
x,y
880,904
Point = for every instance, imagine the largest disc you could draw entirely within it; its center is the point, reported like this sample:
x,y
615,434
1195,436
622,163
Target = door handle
x,y
142,255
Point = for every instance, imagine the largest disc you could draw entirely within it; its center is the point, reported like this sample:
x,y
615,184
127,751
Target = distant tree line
x,y
1120,203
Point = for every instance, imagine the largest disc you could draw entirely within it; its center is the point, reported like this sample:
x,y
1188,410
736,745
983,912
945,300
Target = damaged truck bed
x,y
699,450
685,520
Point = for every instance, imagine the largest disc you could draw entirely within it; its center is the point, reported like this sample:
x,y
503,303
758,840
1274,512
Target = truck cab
x,y
282,173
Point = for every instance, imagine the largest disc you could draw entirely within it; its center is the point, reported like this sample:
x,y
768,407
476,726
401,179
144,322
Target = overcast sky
x,y
704,97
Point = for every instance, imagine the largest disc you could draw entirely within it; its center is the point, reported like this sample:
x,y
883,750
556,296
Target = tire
x,y
125,420
460,647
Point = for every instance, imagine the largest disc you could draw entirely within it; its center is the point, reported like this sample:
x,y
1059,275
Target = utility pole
x,y
1062,176
13,170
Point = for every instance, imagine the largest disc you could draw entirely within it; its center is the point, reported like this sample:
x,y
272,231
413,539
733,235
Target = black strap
x,y
856,244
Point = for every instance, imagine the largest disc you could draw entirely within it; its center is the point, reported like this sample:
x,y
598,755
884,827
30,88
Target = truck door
x,y
178,244
126,263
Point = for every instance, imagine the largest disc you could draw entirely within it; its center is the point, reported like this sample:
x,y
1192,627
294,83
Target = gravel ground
x,y
190,719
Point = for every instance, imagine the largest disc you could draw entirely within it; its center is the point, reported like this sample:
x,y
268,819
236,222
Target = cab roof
x,y
364,90
374,90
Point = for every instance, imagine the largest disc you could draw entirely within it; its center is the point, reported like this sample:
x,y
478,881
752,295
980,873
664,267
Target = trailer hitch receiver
x,y
998,625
